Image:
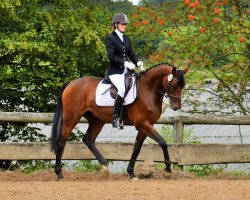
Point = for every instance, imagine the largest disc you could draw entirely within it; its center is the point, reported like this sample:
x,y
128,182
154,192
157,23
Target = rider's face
x,y
122,27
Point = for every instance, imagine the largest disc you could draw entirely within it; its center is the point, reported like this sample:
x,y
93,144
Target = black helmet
x,y
120,18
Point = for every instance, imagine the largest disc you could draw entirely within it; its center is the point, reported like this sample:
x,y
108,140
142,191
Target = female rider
x,y
121,60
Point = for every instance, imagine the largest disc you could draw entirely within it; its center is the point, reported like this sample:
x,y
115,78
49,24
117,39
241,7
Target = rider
x,y
121,60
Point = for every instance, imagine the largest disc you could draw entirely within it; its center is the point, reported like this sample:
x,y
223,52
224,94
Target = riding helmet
x,y
120,18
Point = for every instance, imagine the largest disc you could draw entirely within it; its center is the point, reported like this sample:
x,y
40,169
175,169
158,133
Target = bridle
x,y
172,98
170,81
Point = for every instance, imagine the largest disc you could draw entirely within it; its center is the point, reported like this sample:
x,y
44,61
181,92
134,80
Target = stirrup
x,y
121,124
117,123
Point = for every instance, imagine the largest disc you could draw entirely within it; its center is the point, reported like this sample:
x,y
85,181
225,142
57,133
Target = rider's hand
x,y
129,65
140,65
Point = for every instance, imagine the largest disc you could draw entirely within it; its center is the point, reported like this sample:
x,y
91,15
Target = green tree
x,y
62,40
212,37
42,45
122,6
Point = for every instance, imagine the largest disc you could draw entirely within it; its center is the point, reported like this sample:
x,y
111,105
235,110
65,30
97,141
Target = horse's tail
x,y
57,121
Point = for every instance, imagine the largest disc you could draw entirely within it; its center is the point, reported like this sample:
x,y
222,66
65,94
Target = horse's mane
x,y
179,72
154,66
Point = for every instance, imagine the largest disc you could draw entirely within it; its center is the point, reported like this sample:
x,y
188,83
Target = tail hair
x,y
57,121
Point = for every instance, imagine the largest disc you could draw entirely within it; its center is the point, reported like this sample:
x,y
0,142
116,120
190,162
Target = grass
x,y
86,166
28,167
205,170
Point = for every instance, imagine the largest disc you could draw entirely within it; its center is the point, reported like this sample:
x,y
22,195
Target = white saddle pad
x,y
103,97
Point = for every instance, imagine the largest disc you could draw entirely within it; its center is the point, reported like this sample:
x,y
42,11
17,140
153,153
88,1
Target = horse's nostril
x,y
175,108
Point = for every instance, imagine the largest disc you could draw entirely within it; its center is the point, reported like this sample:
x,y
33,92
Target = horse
x,y
77,99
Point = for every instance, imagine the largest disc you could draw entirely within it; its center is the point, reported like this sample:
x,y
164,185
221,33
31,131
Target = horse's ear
x,y
186,70
174,70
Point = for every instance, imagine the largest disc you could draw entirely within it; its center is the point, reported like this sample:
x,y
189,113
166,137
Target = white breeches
x,y
119,81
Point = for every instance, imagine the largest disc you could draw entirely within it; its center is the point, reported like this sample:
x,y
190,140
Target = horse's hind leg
x,y
58,165
68,125
95,127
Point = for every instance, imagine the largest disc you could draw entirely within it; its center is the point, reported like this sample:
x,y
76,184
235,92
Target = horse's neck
x,y
151,91
155,75
151,84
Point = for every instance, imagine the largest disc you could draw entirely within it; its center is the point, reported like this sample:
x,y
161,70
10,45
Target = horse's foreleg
x,y
153,134
164,147
137,148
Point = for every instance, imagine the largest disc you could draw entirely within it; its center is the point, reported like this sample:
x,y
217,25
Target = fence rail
x,y
29,117
182,154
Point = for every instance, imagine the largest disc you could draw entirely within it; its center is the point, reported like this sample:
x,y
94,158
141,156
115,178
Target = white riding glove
x,y
140,65
129,65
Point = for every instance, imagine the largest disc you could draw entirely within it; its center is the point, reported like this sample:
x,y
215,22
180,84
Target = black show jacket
x,y
118,52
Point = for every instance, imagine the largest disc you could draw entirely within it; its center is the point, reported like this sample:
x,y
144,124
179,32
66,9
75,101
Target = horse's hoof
x,y
168,170
104,171
167,175
134,179
105,168
60,177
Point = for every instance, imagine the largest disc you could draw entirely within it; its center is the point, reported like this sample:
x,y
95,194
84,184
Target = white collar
x,y
120,34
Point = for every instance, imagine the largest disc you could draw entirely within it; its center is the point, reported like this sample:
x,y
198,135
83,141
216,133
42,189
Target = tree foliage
x,y
118,6
45,43
42,45
212,37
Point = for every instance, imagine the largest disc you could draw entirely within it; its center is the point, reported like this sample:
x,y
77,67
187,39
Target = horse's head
x,y
173,84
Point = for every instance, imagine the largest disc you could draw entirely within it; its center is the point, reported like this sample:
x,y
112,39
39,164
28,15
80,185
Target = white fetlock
x,y
104,171
105,168
134,179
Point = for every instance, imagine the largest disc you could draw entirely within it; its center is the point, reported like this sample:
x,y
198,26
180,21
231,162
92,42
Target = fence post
x,y
178,138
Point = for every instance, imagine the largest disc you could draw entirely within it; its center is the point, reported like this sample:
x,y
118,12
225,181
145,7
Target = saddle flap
x,y
128,84
103,95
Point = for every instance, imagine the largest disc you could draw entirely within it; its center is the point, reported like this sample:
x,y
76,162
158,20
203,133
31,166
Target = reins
x,y
163,94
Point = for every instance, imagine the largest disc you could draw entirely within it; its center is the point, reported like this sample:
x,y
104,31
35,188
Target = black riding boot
x,y
117,111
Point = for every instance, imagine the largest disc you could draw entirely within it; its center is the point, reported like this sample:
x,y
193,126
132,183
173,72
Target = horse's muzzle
x,y
175,103
175,108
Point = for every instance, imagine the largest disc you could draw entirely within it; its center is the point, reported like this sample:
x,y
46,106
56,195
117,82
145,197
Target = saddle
x,y
113,90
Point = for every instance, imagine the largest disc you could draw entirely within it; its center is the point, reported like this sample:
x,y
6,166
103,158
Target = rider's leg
x,y
117,111
118,81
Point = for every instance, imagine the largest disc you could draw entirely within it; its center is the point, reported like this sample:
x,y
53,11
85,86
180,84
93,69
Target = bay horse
x,y
77,99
